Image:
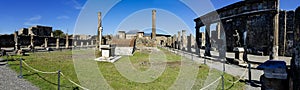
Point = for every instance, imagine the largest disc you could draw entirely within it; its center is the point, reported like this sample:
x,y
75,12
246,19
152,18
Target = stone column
x,y
174,41
189,43
207,41
179,41
67,40
274,52
81,44
32,40
184,40
52,34
218,29
100,28
153,24
282,33
75,43
87,43
57,43
17,43
92,42
46,42
295,62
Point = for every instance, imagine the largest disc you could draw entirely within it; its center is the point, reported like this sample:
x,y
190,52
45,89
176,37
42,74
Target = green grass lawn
x,y
63,61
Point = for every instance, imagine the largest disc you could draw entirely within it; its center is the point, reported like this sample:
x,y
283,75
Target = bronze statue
x,y
237,38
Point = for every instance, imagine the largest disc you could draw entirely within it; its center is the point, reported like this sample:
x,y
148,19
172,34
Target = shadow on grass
x,y
50,82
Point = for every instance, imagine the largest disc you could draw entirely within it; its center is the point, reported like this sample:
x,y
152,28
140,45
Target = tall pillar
x,y
46,42
31,40
174,42
153,24
282,33
218,29
81,44
100,28
184,40
17,43
207,41
179,41
295,62
75,43
57,43
274,52
67,40
92,42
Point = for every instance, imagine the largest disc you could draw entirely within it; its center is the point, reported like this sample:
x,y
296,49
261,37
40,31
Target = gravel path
x,y
229,68
10,81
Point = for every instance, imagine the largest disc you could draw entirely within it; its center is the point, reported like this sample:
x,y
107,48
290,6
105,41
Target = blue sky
x,y
80,16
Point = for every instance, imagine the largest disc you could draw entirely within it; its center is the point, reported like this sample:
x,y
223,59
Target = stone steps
x,y
3,61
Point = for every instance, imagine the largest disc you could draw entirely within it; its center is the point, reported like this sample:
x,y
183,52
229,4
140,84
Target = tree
x,y
58,33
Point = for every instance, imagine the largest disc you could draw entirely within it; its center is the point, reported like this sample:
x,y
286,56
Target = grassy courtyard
x,y
63,61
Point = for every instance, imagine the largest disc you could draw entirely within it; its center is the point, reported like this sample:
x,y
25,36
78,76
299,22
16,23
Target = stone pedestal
x,y
239,52
107,50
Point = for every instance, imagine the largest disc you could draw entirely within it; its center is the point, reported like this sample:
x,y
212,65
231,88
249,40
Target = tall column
x,y
198,42
274,53
174,42
295,63
31,40
218,29
57,43
153,24
75,43
207,41
17,43
100,28
46,42
67,40
184,40
179,41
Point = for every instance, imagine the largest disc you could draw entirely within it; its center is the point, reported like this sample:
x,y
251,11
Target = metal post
x,y
192,56
223,81
20,76
204,59
249,70
223,74
58,80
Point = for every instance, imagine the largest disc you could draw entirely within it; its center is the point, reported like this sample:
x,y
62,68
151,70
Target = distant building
x,y
82,37
23,31
36,31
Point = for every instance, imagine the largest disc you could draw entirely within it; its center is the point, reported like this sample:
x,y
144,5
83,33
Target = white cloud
x,y
35,18
31,21
76,4
63,17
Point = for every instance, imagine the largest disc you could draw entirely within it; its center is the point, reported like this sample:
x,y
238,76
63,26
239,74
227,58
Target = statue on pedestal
x,y
237,38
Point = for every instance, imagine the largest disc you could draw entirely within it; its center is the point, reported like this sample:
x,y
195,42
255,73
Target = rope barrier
x,y
244,73
73,82
211,83
38,70
55,73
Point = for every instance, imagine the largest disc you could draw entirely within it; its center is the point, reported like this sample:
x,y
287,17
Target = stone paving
x,y
234,70
9,80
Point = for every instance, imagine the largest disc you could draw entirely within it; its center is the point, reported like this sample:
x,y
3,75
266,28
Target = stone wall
x,y
124,51
290,17
8,41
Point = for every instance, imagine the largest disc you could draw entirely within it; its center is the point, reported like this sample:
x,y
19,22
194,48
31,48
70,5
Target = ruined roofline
x,y
230,7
